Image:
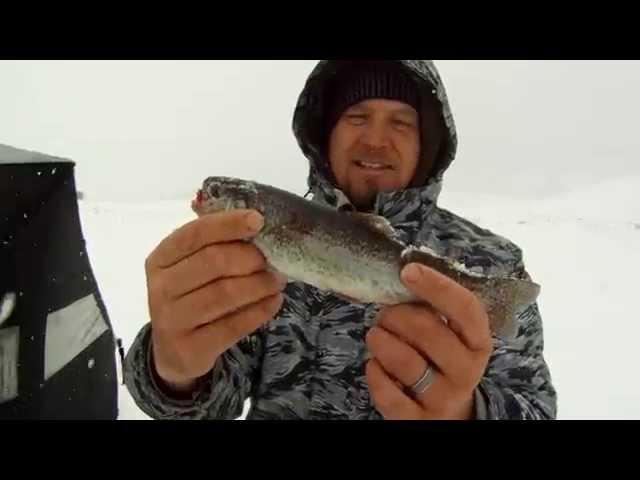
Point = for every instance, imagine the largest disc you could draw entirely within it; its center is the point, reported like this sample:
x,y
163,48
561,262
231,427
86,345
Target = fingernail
x,y
411,273
255,221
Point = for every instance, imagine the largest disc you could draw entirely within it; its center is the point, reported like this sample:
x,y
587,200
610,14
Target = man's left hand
x,y
411,337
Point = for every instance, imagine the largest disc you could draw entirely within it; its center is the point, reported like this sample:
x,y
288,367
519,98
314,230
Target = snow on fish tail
x,y
504,297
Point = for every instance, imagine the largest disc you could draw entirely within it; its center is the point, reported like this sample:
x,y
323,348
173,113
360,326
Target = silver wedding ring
x,y
425,382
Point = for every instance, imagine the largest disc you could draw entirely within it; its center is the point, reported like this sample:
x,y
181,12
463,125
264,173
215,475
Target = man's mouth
x,y
373,165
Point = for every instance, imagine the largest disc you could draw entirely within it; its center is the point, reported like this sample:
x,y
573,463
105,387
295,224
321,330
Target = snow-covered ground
x,y
583,247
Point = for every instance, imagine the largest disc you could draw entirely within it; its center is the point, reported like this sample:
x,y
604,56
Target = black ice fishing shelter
x,y
57,348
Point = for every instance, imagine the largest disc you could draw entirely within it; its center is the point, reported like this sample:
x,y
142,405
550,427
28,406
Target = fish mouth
x,y
202,196
202,199
205,203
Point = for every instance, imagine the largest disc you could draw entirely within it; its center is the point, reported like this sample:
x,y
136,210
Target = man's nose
x,y
375,135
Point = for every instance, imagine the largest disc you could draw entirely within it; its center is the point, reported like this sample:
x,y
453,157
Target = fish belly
x,y
336,269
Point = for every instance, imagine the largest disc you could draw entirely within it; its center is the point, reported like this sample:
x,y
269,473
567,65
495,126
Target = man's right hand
x,y
208,288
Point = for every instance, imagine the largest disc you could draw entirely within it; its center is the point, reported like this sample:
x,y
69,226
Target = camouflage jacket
x,y
309,361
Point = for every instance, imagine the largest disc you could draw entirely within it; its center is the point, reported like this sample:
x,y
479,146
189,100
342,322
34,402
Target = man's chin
x,y
364,202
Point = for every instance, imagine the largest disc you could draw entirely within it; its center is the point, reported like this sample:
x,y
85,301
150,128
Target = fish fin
x,y
519,295
346,298
375,222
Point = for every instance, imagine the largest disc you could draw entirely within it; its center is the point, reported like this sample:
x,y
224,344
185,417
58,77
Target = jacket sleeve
x,y
222,394
517,384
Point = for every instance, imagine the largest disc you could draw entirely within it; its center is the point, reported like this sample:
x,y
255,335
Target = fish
x,y
353,254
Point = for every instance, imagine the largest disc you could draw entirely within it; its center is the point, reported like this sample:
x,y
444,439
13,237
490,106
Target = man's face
x,y
374,147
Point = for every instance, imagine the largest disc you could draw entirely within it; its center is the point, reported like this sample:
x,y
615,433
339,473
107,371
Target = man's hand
x,y
207,290
411,337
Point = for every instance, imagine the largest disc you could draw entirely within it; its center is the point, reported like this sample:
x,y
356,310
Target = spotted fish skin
x,y
309,361
349,254
313,243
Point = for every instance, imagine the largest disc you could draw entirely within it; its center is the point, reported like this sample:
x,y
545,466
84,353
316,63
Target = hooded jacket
x,y
309,361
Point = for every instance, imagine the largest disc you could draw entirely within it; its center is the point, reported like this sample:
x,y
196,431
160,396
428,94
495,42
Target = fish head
x,y
218,194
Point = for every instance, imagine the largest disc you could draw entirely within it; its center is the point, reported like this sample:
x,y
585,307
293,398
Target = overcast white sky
x,y
142,130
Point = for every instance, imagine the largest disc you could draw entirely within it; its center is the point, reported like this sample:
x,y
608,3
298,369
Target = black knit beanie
x,y
364,80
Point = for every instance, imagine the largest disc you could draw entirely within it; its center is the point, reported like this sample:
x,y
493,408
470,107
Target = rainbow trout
x,y
352,254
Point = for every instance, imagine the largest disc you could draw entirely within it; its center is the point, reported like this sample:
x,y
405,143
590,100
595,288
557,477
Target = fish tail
x,y
506,299
525,293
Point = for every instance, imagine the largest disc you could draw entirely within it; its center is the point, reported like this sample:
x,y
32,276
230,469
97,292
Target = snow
x,y
582,246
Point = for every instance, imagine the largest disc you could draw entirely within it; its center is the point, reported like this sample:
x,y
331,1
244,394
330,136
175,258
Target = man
x,y
379,137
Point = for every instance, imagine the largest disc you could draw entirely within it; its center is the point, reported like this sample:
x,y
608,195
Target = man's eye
x,y
356,117
403,123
